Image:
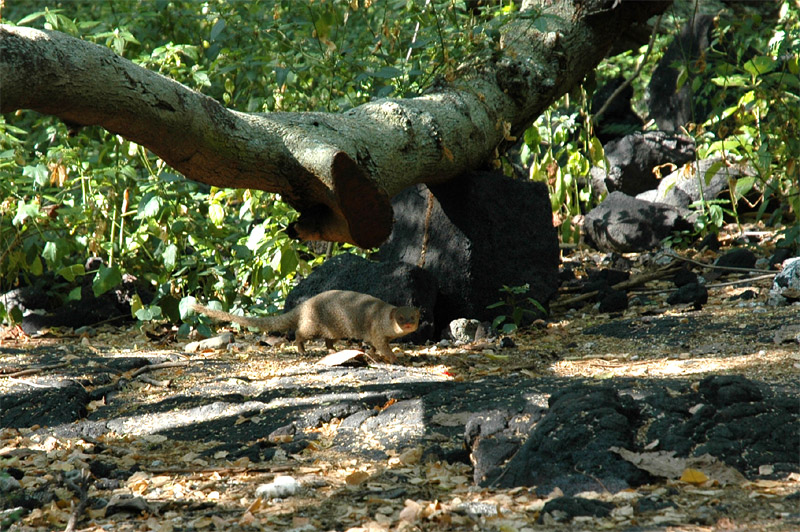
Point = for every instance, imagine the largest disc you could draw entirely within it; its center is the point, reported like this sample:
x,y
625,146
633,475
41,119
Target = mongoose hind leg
x,y
329,344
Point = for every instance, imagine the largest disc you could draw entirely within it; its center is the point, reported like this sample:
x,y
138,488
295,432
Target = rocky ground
x,y
658,417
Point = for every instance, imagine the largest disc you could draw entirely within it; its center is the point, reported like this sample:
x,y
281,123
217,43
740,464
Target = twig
x,y
82,490
714,266
163,365
154,382
33,371
710,286
628,81
28,383
624,285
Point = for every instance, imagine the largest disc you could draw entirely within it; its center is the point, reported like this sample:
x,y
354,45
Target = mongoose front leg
x,y
383,349
299,341
329,344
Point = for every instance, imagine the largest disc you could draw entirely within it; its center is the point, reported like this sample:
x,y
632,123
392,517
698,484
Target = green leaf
x,y
508,328
497,321
170,257
150,206
731,81
743,186
255,238
216,30
387,72
712,171
16,315
71,272
39,173
51,254
216,214
153,312
106,279
36,266
75,294
25,211
761,64
136,305
289,260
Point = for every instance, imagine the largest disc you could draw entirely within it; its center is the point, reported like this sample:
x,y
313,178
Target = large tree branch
x,y
338,170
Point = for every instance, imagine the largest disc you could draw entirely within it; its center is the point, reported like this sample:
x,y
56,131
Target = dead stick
x,y
32,371
714,266
82,490
163,365
624,285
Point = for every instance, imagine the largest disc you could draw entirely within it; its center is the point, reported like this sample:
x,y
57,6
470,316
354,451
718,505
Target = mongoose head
x,y
406,319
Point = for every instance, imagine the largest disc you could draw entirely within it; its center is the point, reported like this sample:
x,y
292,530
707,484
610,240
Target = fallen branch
x,y
714,266
82,490
624,285
163,365
33,371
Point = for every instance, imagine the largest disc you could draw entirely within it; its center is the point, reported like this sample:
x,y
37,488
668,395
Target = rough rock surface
x,y
786,285
693,182
625,224
671,108
632,158
569,447
467,233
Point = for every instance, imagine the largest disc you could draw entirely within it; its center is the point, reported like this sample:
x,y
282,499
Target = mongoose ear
x,y
393,313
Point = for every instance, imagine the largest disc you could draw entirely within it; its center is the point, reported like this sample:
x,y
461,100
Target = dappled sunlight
x,y
621,365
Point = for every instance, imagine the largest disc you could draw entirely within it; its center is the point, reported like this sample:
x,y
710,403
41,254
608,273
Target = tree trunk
x,y
337,169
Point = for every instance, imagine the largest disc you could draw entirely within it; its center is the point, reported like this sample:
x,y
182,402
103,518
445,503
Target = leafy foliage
x,y
519,308
70,196
749,82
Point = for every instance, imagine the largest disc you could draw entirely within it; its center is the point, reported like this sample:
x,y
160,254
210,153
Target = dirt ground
x,y
150,480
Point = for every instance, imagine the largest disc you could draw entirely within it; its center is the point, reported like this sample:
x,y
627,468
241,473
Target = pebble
x,y
281,487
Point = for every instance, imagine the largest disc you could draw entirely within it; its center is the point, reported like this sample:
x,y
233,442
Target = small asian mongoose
x,y
333,315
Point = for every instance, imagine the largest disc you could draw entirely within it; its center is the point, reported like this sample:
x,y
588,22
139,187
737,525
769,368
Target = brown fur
x,y
333,315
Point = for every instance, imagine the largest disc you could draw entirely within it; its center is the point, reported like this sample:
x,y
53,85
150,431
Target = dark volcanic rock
x,y
619,118
49,403
564,509
671,108
476,234
569,447
735,422
683,277
613,301
690,183
694,293
396,283
737,258
631,160
625,224
494,436
112,306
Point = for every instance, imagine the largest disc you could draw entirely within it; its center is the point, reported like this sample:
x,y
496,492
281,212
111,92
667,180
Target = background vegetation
x,y
67,196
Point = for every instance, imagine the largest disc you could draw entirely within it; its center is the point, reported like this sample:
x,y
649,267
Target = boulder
x,y
625,224
476,234
694,181
619,118
786,285
671,108
631,160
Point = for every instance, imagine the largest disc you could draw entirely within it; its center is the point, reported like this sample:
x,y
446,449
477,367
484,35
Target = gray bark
x,y
338,170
